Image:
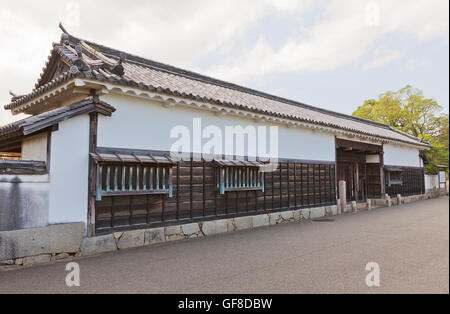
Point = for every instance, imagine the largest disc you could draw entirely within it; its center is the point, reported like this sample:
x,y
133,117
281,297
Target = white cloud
x,y
175,32
413,64
183,32
383,57
341,37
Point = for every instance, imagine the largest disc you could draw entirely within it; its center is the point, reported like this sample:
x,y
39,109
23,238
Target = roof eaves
x,y
42,89
121,81
36,123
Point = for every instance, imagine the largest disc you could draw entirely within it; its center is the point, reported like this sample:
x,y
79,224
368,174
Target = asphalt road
x,y
409,242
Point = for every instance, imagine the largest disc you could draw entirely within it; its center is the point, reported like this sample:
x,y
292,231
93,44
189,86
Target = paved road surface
x,y
410,243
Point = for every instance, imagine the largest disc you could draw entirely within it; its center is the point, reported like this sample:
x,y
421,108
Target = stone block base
x,y
32,246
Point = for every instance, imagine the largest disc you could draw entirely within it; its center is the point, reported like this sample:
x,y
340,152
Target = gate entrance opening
x,y
360,166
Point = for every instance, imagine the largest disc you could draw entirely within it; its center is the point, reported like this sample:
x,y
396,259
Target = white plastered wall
x,y
143,124
35,147
69,171
400,155
431,181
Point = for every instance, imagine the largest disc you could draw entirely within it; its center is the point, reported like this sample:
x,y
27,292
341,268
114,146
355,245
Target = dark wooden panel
x,y
196,197
413,182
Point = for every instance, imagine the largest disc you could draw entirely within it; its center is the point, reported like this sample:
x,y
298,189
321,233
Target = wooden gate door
x,y
346,172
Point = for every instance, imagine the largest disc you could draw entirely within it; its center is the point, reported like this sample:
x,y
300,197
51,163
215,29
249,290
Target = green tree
x,y
409,111
439,153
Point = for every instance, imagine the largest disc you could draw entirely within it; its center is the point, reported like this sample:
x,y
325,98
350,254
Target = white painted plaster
x,y
399,155
431,181
23,201
35,147
144,124
69,171
373,159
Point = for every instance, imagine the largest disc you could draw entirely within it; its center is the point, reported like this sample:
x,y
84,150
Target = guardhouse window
x,y
123,174
394,178
237,175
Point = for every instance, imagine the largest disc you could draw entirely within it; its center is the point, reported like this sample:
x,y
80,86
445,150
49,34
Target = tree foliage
x,y
408,110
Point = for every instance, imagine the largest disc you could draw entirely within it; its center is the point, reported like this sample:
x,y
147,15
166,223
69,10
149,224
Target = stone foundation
x,y
40,245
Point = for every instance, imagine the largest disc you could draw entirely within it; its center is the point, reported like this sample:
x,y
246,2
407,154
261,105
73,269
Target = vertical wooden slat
x,y
163,177
295,184
144,178
329,197
163,208
221,182
170,182
227,177
138,175
123,178
116,173
320,184
191,180
239,177
248,178
99,182
204,187
158,173
288,185
273,189
151,178
309,185
108,178
246,200
130,178
112,211
178,191
301,185
263,182
147,207
281,186
130,218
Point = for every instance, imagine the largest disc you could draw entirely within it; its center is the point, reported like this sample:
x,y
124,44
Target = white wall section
x,y
144,124
35,147
69,171
399,155
431,181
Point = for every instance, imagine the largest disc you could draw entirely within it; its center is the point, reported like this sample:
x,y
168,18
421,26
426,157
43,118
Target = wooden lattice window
x,y
394,176
236,175
119,174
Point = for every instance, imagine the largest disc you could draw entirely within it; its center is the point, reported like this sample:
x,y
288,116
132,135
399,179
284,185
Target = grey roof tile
x,y
151,75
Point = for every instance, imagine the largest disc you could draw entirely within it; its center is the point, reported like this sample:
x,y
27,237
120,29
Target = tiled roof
x,y
90,60
44,120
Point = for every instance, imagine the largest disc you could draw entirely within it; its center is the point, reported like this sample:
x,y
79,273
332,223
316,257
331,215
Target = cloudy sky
x,y
328,53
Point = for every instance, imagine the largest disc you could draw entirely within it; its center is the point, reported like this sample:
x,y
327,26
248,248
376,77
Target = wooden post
x,y
382,181
92,177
